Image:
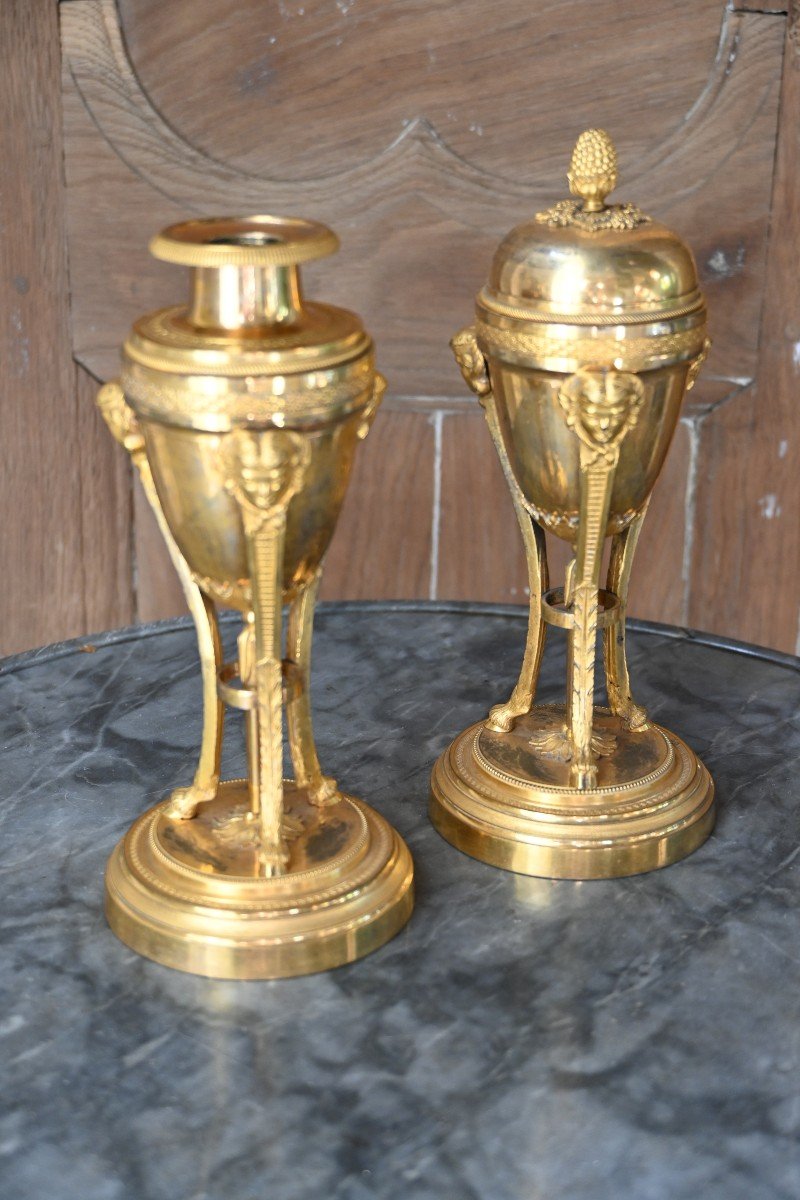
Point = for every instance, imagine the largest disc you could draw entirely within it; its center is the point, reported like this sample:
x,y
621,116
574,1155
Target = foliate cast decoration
x,y
555,743
221,592
161,399
639,352
571,212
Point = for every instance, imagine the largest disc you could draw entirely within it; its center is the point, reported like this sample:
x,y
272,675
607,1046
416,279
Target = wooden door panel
x,y
419,206
301,89
422,131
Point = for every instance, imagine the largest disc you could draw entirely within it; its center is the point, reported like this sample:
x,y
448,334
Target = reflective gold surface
x,y
507,799
192,895
242,412
588,334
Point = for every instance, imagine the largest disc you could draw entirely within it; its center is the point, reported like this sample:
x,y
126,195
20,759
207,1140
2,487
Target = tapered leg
x,y
601,406
265,470
265,562
307,771
623,548
246,653
597,476
502,716
183,802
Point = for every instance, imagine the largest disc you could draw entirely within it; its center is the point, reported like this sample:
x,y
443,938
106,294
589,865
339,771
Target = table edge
x,y
15,663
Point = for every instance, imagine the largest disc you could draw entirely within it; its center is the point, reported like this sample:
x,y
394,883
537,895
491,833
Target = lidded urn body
x,y
589,331
242,411
608,292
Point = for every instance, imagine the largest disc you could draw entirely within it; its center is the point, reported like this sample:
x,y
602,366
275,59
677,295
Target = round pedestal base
x,y
191,894
506,799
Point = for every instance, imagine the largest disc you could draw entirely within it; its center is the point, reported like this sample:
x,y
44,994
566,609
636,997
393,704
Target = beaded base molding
x,y
191,894
506,798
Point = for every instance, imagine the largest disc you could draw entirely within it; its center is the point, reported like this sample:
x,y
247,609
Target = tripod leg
x,y
265,561
265,469
183,802
502,716
307,771
596,480
623,548
601,406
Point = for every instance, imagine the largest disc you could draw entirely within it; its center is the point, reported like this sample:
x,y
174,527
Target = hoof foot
x,y
324,793
501,718
184,802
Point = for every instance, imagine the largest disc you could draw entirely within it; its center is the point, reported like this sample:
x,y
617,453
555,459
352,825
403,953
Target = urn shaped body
x,y
242,411
569,291
588,332
249,354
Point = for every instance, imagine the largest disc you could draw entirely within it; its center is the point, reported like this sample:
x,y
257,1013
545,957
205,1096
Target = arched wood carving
x,y
419,218
422,132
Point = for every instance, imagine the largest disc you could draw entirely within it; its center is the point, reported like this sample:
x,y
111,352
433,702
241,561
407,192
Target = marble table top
x,y
521,1039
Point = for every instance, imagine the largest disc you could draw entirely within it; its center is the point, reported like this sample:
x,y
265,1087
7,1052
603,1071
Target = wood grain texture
x,y
659,587
422,133
747,542
481,556
41,553
424,171
307,62
382,546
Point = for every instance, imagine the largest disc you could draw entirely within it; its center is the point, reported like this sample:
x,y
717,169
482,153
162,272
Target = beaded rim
x,y
255,241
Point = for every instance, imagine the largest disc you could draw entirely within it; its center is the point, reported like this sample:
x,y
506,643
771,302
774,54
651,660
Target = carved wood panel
x,y
421,166
61,510
422,131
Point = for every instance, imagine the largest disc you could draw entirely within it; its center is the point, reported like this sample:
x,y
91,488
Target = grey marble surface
x,y
521,1039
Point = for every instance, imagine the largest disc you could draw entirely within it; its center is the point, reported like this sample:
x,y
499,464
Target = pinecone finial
x,y
593,169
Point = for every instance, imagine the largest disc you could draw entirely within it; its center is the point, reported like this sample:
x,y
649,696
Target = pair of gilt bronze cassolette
x,y
242,413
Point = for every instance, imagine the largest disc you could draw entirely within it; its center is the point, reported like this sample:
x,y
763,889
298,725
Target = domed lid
x,y
586,262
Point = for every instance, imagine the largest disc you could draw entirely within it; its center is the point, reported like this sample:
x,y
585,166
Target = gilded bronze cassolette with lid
x,y
588,334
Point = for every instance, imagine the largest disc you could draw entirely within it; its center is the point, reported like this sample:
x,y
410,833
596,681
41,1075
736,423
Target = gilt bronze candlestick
x,y
242,413
588,334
